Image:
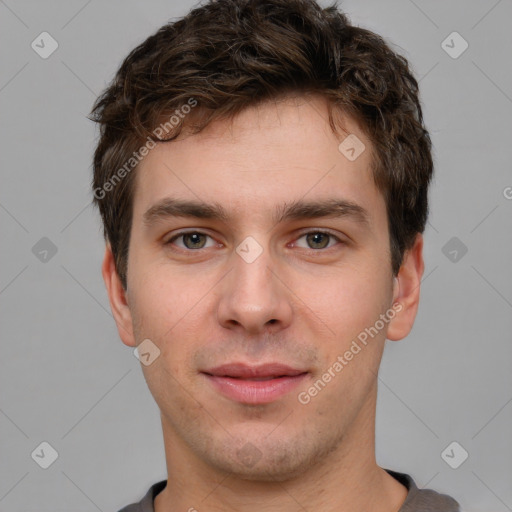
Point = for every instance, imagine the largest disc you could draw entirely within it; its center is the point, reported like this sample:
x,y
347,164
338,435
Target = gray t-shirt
x,y
418,500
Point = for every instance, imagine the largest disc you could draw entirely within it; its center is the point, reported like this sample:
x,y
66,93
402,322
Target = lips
x,y
254,384
260,372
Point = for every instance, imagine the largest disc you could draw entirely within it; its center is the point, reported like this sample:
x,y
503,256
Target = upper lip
x,y
245,371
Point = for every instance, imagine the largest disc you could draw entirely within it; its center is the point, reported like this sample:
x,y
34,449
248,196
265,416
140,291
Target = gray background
x,y
67,379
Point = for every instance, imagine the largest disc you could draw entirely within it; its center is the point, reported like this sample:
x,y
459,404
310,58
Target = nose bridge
x,y
252,297
252,276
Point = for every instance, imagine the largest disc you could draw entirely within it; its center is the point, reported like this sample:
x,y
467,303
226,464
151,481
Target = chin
x,y
267,461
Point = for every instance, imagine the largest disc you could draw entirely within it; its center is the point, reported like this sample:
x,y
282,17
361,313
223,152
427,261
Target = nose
x,y
254,297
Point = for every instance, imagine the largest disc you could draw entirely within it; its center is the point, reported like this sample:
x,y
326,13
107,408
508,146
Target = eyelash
x,y
183,233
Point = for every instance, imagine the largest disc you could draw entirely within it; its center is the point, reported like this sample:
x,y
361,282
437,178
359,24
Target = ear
x,y
406,291
117,298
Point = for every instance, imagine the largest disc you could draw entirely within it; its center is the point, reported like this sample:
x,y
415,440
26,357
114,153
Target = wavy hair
x,y
231,54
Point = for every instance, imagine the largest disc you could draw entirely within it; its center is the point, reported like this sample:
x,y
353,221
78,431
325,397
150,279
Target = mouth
x,y
254,385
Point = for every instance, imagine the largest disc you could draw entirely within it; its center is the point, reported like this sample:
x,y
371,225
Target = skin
x,y
298,303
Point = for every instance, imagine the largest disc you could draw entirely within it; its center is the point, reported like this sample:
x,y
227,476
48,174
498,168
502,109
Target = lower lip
x,y
255,391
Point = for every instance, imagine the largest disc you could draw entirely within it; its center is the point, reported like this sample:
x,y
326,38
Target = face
x,y
256,296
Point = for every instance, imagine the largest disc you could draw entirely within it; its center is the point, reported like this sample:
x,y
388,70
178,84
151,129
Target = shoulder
x,y
146,503
423,500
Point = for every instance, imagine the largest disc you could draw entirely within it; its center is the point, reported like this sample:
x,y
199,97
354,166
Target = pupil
x,y
315,239
195,239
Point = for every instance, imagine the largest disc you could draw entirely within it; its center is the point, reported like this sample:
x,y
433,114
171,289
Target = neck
x,y
347,479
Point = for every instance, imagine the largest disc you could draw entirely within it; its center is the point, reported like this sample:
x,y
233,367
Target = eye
x,y
318,239
191,240
194,240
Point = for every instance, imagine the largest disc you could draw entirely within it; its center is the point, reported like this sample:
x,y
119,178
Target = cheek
x,y
161,300
346,300
168,310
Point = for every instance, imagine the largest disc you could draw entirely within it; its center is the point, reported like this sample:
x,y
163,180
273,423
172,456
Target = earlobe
x,y
406,291
117,297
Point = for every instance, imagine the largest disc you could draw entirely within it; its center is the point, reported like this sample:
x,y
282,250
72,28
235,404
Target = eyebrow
x,y
296,210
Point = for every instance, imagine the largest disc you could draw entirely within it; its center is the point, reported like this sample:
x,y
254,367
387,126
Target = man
x,y
262,177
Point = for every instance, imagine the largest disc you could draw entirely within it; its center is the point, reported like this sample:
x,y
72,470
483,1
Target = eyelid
x,y
327,231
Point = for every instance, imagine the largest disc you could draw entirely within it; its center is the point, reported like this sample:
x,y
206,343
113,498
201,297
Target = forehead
x,y
264,157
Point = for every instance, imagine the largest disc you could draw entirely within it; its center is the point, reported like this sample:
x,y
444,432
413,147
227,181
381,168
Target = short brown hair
x,y
231,54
